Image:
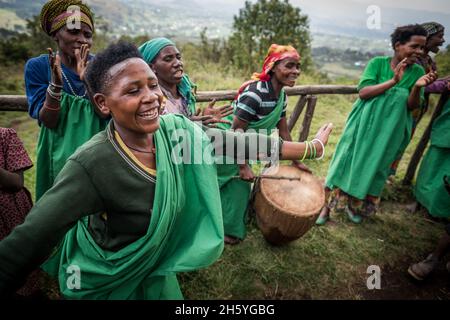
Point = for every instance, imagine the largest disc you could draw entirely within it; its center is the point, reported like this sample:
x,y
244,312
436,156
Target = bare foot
x,y
231,240
412,207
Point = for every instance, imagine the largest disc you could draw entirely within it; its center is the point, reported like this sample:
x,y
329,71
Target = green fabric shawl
x,y
150,51
77,123
185,232
430,190
235,193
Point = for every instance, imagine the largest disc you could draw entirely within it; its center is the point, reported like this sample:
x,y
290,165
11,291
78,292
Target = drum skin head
x,y
287,209
302,197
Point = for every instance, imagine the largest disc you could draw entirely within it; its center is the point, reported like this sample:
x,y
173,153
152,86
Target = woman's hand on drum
x,y
300,166
246,173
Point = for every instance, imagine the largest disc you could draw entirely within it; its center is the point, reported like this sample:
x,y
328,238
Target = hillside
x,y
179,20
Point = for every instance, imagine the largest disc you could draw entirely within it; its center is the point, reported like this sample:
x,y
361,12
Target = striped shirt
x,y
257,101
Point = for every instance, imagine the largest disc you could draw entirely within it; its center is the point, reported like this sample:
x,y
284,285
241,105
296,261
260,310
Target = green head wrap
x,y
150,51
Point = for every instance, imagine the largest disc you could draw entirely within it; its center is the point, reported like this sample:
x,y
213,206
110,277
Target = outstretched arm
x,y
72,196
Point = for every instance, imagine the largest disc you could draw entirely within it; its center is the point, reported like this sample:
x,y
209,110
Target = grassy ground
x,y
328,262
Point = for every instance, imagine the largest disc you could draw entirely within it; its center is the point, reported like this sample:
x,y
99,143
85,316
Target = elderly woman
x,y
56,95
165,60
129,216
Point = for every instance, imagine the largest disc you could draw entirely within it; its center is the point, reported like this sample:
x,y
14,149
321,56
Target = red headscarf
x,y
276,53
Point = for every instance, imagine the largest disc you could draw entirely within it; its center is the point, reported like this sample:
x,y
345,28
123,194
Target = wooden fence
x,y
307,97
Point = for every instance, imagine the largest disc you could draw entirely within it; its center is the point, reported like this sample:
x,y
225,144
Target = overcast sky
x,y
429,5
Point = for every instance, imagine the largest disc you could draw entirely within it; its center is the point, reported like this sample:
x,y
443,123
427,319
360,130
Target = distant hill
x,y
333,23
177,19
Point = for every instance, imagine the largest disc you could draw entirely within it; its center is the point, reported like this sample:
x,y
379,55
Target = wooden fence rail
x,y
19,103
307,98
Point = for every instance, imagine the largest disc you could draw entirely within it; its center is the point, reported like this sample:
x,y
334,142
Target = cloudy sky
x,y
336,5
350,16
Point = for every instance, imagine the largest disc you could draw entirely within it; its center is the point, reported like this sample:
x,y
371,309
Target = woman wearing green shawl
x,y
378,126
56,94
260,106
165,60
130,215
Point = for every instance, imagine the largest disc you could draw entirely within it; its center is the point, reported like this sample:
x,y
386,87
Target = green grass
x,y
328,262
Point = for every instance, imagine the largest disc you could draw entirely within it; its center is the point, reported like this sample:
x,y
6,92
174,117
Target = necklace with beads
x,y
70,86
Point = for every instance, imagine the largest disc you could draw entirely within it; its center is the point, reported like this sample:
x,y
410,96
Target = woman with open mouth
x,y
166,61
378,127
56,95
128,215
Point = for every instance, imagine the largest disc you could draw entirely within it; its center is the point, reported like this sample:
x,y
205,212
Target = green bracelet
x,y
306,151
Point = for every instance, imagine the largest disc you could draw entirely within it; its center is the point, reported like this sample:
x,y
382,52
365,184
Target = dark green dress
x,y
430,190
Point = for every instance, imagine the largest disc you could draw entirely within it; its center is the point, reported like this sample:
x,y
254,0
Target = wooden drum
x,y
287,209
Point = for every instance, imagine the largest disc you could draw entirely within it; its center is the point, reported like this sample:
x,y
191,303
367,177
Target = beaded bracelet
x,y
55,85
46,106
54,95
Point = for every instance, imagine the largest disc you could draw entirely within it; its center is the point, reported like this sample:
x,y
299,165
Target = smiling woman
x,y
260,104
128,216
378,128
56,95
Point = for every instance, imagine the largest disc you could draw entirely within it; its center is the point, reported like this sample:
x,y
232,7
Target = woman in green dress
x,y
378,126
57,96
432,190
430,187
129,214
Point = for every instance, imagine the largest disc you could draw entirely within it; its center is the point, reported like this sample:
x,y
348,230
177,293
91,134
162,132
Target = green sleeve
x,y
244,145
371,73
72,197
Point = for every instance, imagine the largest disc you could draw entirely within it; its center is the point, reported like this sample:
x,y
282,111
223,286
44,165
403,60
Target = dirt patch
x,y
397,284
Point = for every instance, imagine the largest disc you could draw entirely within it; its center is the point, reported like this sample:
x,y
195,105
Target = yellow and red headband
x,y
55,14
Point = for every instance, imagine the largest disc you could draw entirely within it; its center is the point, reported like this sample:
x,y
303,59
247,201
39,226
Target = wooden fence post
x,y
297,112
312,100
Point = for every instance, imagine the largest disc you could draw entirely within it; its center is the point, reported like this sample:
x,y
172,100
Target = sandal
x,y
355,218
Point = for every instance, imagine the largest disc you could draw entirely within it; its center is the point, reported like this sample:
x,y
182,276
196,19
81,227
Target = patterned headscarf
x,y
432,28
275,53
54,14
